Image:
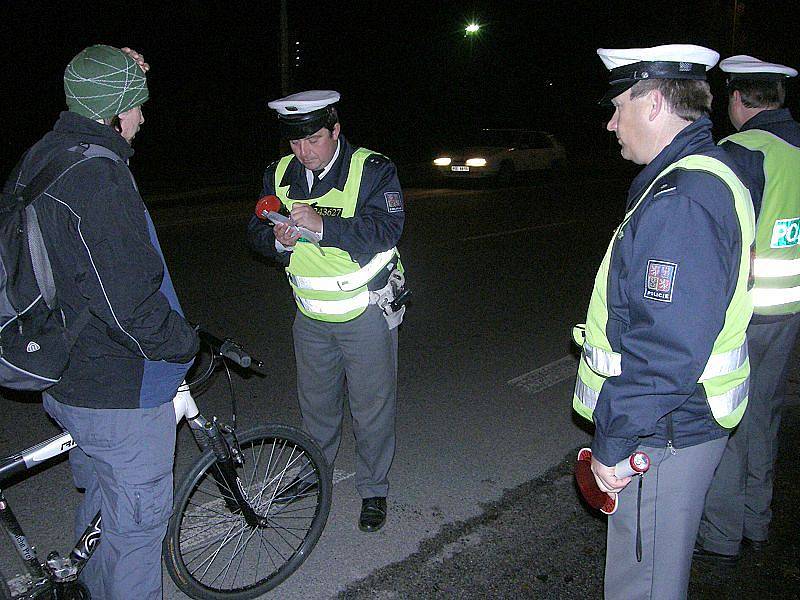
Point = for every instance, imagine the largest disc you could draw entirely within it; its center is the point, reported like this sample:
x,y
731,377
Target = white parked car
x,y
501,153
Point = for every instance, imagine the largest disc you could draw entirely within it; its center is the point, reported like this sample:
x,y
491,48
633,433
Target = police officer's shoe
x,y
299,488
722,560
755,545
373,514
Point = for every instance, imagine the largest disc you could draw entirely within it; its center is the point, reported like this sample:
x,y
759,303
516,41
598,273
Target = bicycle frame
x,y
60,569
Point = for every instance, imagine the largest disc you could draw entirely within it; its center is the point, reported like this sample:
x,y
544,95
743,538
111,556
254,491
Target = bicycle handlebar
x,y
229,349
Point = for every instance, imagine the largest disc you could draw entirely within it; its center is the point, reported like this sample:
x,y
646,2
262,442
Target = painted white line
x,y
339,476
542,378
520,230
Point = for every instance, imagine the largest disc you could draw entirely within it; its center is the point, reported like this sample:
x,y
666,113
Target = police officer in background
x,y
345,331
664,362
767,150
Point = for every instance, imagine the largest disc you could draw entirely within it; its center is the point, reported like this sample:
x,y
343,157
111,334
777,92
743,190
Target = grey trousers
x,y
738,502
672,503
124,463
361,357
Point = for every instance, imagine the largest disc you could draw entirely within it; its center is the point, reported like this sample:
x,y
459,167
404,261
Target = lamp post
x,y
471,29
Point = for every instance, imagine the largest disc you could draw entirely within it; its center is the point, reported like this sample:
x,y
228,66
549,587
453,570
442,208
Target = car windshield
x,y
494,137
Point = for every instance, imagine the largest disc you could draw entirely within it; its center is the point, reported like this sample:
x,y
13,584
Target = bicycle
x,y
245,516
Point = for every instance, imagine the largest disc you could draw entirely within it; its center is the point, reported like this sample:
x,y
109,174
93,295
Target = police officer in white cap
x,y
767,150
345,329
663,366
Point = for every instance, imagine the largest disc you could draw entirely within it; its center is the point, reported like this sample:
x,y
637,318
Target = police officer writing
x,y
767,150
663,366
345,328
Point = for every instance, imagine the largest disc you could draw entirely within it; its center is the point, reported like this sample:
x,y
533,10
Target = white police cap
x,y
742,66
670,61
303,103
304,113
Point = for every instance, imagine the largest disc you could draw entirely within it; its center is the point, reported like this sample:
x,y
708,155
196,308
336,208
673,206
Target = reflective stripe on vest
x,y
334,307
601,361
777,261
725,378
766,297
724,363
774,267
346,283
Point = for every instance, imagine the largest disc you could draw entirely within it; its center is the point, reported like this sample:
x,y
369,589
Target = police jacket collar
x,y
694,139
295,176
92,132
768,117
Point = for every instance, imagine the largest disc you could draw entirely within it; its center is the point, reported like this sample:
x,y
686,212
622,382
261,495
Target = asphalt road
x,y
482,503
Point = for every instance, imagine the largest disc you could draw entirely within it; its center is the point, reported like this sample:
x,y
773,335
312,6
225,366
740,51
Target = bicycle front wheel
x,y
211,552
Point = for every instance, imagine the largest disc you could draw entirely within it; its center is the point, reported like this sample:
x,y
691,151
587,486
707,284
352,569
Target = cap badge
x,y
292,108
685,66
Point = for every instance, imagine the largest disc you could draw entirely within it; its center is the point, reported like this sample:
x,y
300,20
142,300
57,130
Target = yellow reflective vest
x,y
726,374
776,267
328,285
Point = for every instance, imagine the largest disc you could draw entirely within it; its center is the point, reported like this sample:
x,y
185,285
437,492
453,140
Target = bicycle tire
x,y
205,539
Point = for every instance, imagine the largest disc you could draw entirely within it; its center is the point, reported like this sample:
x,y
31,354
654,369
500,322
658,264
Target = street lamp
x,y
471,29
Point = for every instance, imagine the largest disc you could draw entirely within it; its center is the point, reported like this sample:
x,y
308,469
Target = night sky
x,y
409,78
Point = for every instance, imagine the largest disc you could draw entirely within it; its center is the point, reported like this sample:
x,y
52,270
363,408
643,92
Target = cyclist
x,y
115,396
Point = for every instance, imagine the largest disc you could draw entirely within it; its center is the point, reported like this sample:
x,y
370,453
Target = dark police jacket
x,y
379,216
689,219
135,350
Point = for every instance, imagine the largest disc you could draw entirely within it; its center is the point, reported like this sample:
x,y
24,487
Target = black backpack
x,y
35,341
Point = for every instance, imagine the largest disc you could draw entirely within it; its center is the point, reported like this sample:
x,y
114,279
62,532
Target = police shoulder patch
x,y
659,280
394,201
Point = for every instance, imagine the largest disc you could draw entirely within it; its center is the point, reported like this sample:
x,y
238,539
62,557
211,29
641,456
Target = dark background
x,y
409,78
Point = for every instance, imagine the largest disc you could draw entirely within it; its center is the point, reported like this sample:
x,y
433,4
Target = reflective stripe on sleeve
x,y
724,363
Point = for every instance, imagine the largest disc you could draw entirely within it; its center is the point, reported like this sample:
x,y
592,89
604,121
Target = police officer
x,y
767,149
664,362
345,331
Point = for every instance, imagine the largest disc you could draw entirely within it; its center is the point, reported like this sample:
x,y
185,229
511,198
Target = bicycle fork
x,y
221,439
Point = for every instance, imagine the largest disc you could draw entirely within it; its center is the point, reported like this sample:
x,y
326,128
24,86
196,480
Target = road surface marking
x,y
520,230
542,378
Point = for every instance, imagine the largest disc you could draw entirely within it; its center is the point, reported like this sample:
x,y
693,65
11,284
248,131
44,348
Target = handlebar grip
x,y
230,350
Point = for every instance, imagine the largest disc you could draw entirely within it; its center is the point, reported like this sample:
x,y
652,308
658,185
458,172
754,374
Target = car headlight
x,y
442,161
476,162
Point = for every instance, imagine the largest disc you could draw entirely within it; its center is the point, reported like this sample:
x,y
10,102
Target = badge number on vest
x,y
785,233
660,280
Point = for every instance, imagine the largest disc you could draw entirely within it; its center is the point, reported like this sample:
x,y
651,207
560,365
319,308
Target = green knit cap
x,y
102,81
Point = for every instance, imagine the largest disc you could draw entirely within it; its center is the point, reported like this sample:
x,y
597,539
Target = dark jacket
x,y
135,350
689,220
378,220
